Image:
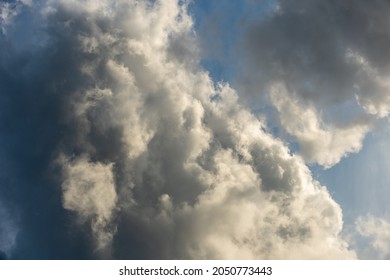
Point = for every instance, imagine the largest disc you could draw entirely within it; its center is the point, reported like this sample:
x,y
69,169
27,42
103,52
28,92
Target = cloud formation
x,y
331,57
378,231
371,237
115,126
320,143
89,190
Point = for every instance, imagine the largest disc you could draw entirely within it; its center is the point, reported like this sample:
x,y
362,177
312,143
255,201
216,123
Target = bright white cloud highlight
x,y
89,190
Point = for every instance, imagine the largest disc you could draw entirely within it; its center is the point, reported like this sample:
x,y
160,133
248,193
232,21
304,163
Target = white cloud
x,y
373,87
371,237
319,143
325,65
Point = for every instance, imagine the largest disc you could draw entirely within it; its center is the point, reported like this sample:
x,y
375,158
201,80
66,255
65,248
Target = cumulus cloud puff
x,y
378,231
370,236
89,190
141,154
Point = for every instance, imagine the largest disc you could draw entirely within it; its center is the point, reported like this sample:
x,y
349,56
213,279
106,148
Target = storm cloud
x,y
117,144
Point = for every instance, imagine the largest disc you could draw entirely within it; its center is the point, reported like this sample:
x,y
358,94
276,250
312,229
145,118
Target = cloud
x,y
376,84
328,56
139,154
88,189
7,12
323,51
371,237
319,143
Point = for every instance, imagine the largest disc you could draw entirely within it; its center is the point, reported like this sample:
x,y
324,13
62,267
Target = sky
x,y
194,129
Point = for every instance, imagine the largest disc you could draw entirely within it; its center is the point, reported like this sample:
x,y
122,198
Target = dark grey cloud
x,y
117,145
306,45
34,82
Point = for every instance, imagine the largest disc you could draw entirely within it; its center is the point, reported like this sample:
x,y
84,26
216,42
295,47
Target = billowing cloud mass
x,y
118,145
331,58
